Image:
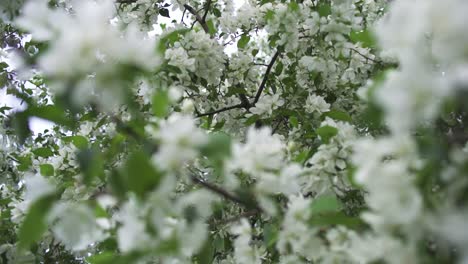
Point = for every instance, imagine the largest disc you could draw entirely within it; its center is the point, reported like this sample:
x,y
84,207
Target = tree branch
x,y
125,1
207,9
198,18
235,218
257,95
265,78
222,110
227,195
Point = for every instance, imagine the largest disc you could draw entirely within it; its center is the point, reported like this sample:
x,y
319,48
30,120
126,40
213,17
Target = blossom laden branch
x,y
222,110
207,9
198,18
247,104
265,78
235,218
227,195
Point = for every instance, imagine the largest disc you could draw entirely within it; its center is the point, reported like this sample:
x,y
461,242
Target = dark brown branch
x,y
125,1
183,15
207,9
277,126
222,110
198,18
131,132
265,78
227,195
365,57
257,96
235,218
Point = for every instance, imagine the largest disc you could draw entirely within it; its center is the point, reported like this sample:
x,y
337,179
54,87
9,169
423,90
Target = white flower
x,y
287,182
132,234
178,57
267,104
75,226
36,187
243,251
316,103
38,19
179,138
261,151
296,233
86,48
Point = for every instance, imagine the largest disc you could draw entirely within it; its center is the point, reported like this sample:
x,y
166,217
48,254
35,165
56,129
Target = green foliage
x,y
326,133
325,204
137,175
34,223
160,103
91,164
365,37
46,170
339,115
243,41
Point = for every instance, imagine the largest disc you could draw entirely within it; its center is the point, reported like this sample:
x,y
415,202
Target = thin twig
x,y
236,217
366,57
222,110
207,8
183,15
265,78
257,96
227,195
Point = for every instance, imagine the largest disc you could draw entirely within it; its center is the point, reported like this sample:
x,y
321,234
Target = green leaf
x,y
211,27
270,14
255,52
20,124
206,253
24,162
34,223
251,120
46,169
364,36
3,109
219,125
91,164
324,9
270,235
170,39
293,6
279,68
326,133
3,79
43,152
325,204
169,246
293,121
164,12
339,115
336,218
139,175
80,142
302,157
3,65
216,12
218,146
160,103
109,257
243,41
50,112
102,258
